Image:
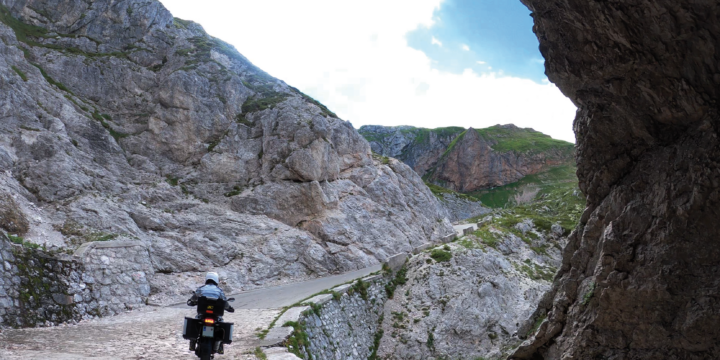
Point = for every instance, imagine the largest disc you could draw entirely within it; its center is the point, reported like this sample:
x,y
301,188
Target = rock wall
x,y
418,147
473,164
124,123
460,208
346,328
116,275
473,159
471,302
639,278
341,325
38,288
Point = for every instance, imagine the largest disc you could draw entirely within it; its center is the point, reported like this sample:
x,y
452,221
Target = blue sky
x,y
398,62
483,35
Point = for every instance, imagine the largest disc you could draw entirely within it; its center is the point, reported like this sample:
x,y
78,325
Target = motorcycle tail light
x,y
209,311
209,321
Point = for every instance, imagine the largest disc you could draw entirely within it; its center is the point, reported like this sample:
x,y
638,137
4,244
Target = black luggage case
x,y
191,328
227,332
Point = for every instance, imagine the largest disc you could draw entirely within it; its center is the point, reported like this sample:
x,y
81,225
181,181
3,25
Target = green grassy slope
x,y
558,201
555,179
522,140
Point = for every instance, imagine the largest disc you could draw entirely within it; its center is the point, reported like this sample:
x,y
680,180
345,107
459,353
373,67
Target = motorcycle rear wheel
x,y
205,349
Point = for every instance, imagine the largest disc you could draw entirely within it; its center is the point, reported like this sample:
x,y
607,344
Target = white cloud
x,y
465,47
435,41
356,61
481,62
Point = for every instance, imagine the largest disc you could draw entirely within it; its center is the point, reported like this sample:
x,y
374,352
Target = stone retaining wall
x,y
116,273
36,288
345,329
41,289
341,325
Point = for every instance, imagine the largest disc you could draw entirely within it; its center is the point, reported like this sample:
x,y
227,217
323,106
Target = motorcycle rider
x,y
210,290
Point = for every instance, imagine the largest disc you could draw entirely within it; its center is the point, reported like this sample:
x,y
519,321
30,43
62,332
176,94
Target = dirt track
x,y
156,332
152,333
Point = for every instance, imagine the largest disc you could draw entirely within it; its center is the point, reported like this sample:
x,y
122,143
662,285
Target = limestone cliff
x,y
469,299
418,147
639,278
122,122
472,159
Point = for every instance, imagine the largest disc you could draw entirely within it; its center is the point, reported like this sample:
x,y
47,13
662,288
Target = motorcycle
x,y
207,332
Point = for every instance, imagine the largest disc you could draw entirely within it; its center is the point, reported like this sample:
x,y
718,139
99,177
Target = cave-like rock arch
x,y
641,274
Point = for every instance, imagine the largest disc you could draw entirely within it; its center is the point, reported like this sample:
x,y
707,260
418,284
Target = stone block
x,y
279,353
468,230
448,238
342,288
63,299
276,336
372,278
292,314
483,222
421,248
320,299
395,262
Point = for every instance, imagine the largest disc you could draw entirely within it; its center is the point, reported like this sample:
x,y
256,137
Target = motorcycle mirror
x,y
231,299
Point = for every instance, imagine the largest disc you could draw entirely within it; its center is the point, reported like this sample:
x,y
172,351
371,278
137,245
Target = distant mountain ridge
x,y
467,160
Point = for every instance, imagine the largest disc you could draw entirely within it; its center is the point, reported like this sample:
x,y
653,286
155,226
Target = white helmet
x,y
212,276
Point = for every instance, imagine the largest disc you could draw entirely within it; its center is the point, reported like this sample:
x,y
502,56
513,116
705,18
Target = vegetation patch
x,y
487,237
310,100
237,190
452,145
438,191
361,288
537,324
556,203
241,119
523,140
376,339
27,34
256,103
172,180
260,354
431,340
115,134
52,81
556,178
535,271
21,241
470,244
400,279
20,73
181,24
589,294
297,343
78,234
28,128
440,255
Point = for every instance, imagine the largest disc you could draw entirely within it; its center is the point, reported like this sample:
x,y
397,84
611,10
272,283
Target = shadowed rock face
x,y
640,275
